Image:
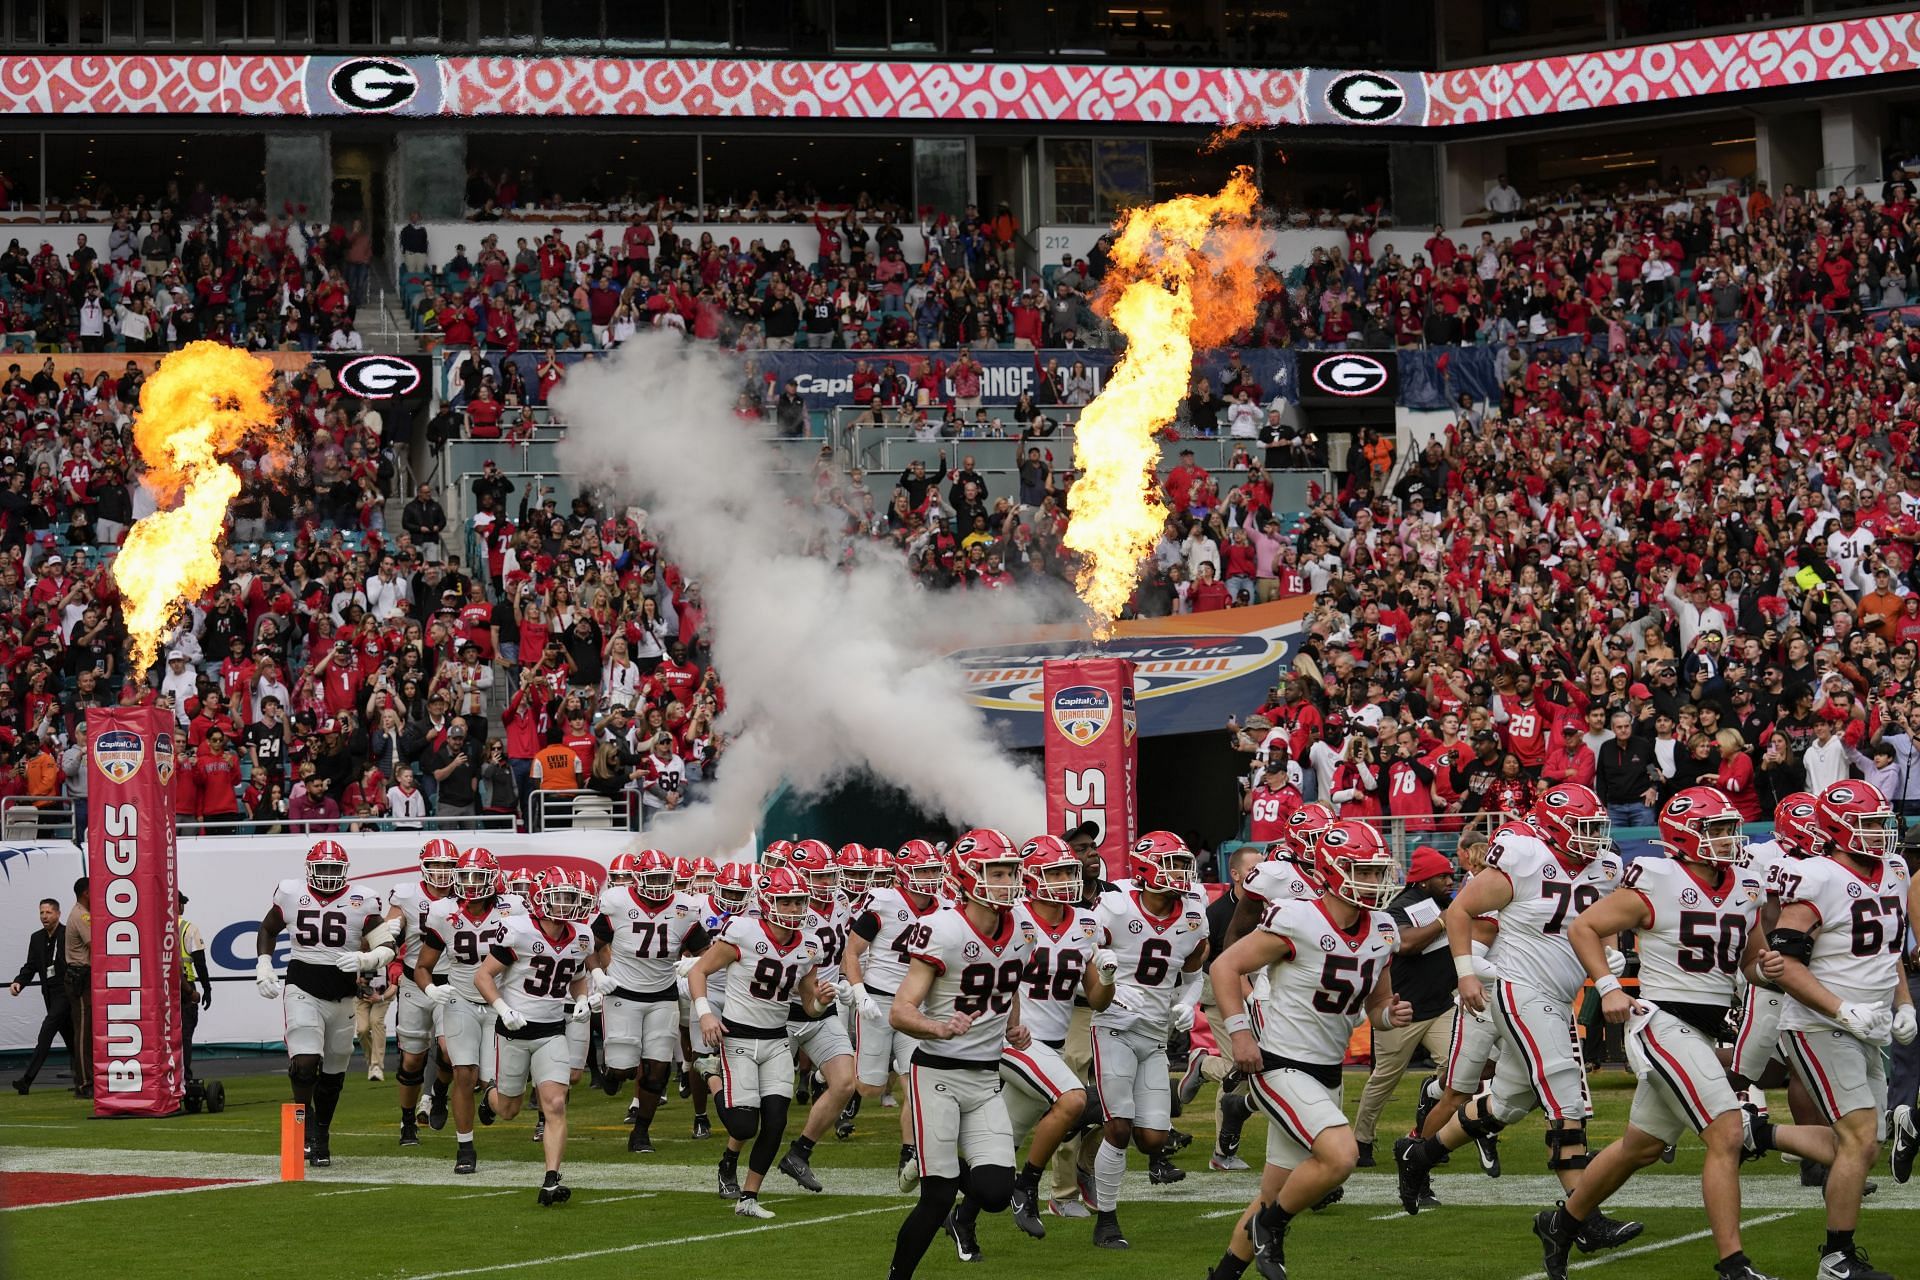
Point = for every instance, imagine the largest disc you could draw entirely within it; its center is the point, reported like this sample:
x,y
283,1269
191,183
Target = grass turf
x,y
383,1212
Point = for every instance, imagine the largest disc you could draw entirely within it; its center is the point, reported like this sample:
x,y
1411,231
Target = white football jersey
x,y
974,974
1768,860
765,980
321,930
646,938
464,936
1861,931
415,900
1278,880
1531,949
1152,951
893,927
1692,951
1055,970
1318,995
540,968
830,931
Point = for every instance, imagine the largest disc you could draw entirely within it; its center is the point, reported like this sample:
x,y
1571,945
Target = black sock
x,y
729,1159
1839,1242
1565,1225
1762,1134
326,1096
1426,1153
406,1117
968,1210
906,1152
440,1086
802,1146
1028,1179
1733,1263
1275,1219
1228,1268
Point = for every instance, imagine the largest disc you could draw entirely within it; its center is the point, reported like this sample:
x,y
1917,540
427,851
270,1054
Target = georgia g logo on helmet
x,y
1679,805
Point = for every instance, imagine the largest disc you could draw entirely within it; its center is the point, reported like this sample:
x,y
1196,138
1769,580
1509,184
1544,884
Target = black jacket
x,y
1623,774
38,960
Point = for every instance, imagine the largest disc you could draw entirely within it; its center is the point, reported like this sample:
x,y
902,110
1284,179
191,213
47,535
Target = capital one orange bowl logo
x,y
119,753
163,757
1082,712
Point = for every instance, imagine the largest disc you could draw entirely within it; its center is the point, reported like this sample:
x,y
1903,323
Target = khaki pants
x,y
1392,1050
370,1028
1073,1158
1266,590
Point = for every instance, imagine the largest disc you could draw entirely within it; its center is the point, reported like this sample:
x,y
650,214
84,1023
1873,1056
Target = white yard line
x,y
640,1195
1657,1245
531,1263
483,1195
353,1191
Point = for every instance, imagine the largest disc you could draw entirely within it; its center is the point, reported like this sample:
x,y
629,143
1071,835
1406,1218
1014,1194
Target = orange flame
x,y
201,404
1185,276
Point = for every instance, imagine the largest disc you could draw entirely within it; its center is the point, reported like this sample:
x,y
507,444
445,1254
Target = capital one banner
x,y
133,886
1092,751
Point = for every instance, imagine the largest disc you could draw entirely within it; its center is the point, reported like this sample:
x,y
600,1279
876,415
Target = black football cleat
x,y
639,1142
729,1182
1269,1247
1161,1170
1601,1232
1429,1099
1849,1264
1026,1213
1553,1250
795,1166
1329,1200
1106,1231
464,1159
317,1153
1178,1140
437,1111
966,1241
702,1127
1905,1144
484,1107
1365,1159
553,1191
1488,1149
409,1132
1416,1180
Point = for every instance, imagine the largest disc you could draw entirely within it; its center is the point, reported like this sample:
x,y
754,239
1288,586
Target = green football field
x,y
384,1212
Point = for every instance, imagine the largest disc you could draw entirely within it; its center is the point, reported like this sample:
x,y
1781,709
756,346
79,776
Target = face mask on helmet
x,y
475,880
1721,840
327,875
1059,882
563,902
1365,882
437,868
785,910
995,882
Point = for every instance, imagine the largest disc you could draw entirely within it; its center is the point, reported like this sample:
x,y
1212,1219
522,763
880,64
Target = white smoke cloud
x,y
829,670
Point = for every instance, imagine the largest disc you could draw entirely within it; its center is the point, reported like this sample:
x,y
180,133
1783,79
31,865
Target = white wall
x,y
1289,247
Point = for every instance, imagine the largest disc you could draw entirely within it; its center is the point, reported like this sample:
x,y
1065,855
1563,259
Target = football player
x,y
1289,871
1471,1050
1328,963
535,979
641,930
732,895
1044,1096
822,1037
879,944
407,908
463,929
769,961
863,869
1696,917
338,932
1836,951
1153,944
1538,883
961,1000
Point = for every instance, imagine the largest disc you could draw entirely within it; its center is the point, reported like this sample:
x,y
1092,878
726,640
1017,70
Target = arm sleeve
x,y
602,930
867,926
501,952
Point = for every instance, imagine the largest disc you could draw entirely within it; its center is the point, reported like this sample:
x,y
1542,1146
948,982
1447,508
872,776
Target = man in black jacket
x,y
47,965
1625,775
425,519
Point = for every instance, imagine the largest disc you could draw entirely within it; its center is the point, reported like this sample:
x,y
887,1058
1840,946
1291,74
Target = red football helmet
x,y
921,866
851,863
683,874
1160,862
327,867
1699,824
813,862
1571,819
1854,818
1793,825
733,888
438,860
556,896
478,875
776,854
1051,870
1355,865
653,875
1305,826
783,898
518,880
625,869
705,870
973,855
878,864
585,882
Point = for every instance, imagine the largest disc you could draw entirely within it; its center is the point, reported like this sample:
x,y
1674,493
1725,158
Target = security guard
x,y
196,985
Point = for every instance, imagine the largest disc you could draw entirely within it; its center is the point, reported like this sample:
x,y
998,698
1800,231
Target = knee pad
x,y
653,1077
1234,1110
1562,1134
773,1113
990,1186
741,1122
1092,1114
411,1079
304,1070
1478,1120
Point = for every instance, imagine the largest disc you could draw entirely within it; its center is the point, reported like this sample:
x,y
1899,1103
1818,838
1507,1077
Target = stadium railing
x,y
584,810
37,817
243,826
